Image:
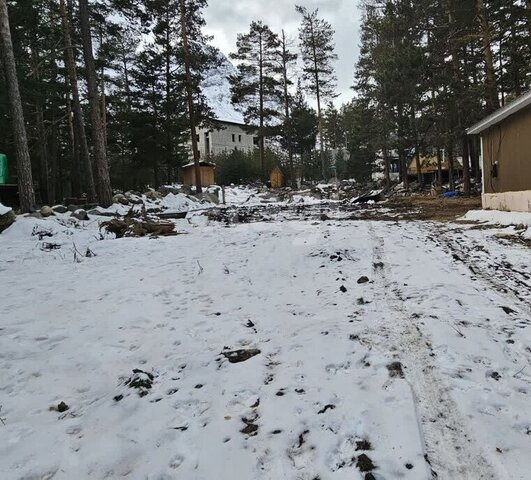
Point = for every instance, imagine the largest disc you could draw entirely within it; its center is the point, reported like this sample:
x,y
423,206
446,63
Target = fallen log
x,y
131,227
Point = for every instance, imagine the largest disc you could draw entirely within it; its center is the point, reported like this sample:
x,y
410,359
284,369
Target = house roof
x,y
201,164
500,115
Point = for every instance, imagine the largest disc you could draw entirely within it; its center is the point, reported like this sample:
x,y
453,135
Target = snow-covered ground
x,y
423,368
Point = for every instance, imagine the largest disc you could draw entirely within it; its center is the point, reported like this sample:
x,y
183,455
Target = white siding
x,y
229,137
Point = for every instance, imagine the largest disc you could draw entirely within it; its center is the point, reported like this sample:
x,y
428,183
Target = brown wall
x,y
207,176
510,145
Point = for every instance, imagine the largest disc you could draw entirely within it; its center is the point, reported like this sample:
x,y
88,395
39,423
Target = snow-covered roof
x,y
201,164
500,115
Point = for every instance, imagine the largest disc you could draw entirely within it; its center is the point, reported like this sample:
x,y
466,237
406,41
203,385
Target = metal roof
x,y
500,115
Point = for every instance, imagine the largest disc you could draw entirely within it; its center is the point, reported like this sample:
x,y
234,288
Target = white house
x,y
225,137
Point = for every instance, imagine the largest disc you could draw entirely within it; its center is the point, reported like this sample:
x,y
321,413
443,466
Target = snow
x,y
324,380
216,88
170,203
499,218
4,209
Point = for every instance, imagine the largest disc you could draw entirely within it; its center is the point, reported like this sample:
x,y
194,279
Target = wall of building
x,y
509,144
229,137
207,176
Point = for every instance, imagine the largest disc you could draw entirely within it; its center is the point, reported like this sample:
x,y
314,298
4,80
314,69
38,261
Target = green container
x,y
3,169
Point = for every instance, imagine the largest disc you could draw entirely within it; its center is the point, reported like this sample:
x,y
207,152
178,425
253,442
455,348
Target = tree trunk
x,y
103,181
25,181
387,173
44,172
103,105
490,78
80,158
261,143
458,104
44,177
55,176
451,168
439,166
420,180
318,97
466,164
167,106
190,97
287,107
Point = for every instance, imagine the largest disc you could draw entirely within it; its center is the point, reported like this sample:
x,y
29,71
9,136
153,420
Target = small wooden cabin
x,y
429,168
506,155
207,173
276,178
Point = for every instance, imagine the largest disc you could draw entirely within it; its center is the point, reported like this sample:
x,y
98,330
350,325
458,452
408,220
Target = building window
x,y
198,138
240,138
255,141
233,137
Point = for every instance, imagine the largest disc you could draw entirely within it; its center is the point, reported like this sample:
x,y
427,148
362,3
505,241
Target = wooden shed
x,y
506,154
207,173
429,168
276,178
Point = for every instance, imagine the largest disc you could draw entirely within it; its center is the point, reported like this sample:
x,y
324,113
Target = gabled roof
x,y
500,115
202,163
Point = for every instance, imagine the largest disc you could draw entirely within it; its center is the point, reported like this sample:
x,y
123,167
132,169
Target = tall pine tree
x,y
257,88
317,50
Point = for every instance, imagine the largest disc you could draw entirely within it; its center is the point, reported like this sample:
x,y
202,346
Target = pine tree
x,y
257,88
81,161
286,59
317,50
25,181
304,128
103,181
197,58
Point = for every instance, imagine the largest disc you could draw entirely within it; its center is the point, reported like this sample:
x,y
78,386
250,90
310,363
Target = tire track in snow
x,y
449,447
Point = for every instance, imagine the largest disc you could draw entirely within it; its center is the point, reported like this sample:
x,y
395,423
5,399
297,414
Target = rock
x,y
237,356
153,195
365,463
395,370
6,219
100,213
363,279
80,214
120,198
60,209
134,198
208,197
167,189
62,407
46,211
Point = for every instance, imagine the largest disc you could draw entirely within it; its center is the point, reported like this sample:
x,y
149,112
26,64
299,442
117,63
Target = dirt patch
x,y
364,463
363,445
395,370
434,208
325,408
251,428
141,381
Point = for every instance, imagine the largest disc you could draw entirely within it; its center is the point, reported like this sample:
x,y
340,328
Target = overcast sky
x,y
226,18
